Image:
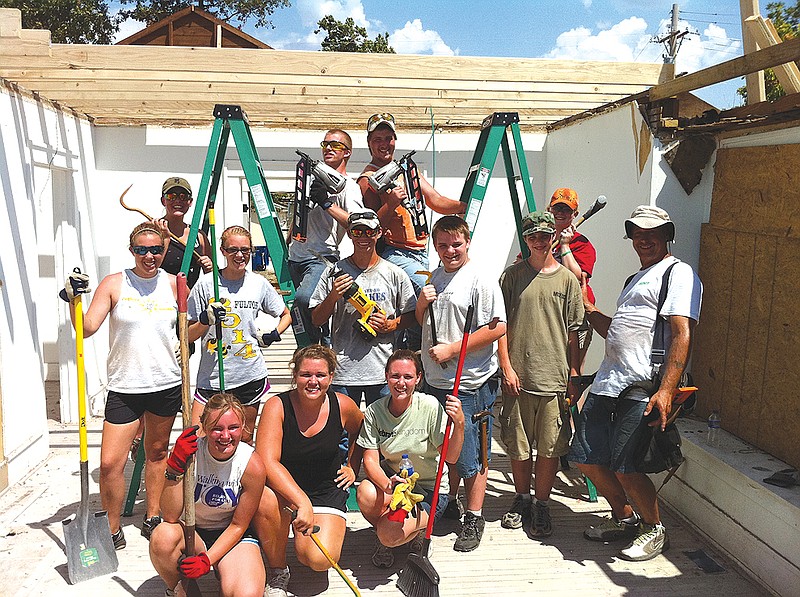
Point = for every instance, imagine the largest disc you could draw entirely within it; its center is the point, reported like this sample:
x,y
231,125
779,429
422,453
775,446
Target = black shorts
x,y
249,394
209,536
333,501
126,408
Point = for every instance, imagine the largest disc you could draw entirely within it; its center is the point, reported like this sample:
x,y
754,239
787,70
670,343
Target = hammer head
x,y
426,273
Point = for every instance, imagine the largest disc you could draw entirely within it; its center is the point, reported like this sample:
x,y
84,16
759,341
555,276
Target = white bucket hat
x,y
647,217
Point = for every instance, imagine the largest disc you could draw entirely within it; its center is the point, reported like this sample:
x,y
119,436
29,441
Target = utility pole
x,y
672,40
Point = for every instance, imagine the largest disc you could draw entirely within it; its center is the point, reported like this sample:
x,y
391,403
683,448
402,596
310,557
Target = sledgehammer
x,y
430,312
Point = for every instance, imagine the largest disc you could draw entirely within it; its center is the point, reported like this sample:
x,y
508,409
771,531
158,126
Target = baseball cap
x,y
565,196
538,221
647,217
376,120
366,218
176,181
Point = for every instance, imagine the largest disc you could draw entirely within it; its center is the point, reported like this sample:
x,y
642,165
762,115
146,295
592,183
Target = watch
x,y
170,476
326,204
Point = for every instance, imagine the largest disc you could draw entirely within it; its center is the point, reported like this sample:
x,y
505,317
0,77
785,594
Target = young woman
x,y
230,479
243,294
307,485
407,422
143,373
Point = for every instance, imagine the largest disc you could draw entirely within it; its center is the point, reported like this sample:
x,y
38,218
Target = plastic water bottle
x,y
712,439
406,465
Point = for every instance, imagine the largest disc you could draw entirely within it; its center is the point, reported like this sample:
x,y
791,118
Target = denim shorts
x,y
469,462
607,430
425,504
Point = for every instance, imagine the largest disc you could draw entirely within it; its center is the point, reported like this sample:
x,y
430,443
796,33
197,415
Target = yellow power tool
x,y
364,305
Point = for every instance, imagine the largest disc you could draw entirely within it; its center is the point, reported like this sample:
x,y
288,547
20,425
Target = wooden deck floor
x,y
33,562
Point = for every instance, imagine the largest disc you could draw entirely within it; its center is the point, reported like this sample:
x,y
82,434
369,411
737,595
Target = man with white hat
x,y
610,426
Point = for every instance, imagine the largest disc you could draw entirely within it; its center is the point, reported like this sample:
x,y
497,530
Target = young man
x,y
608,426
573,251
361,358
327,225
454,286
538,357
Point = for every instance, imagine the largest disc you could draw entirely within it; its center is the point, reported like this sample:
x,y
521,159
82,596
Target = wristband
x,y
170,476
567,252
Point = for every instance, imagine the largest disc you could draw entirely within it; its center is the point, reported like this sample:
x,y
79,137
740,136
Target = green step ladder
x,y
232,120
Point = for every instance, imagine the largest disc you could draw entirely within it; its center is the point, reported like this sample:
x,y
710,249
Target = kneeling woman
x,y
230,479
307,485
406,422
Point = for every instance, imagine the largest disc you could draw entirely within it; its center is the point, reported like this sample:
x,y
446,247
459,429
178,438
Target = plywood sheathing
x,y
745,358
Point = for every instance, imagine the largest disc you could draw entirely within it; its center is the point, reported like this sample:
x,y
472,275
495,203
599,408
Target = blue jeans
x,y
472,402
410,262
306,275
607,430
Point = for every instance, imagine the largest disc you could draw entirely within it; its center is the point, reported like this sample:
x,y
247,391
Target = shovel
x,y
90,550
190,586
419,578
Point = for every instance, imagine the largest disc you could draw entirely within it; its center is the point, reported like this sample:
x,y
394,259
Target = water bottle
x,y
406,465
712,439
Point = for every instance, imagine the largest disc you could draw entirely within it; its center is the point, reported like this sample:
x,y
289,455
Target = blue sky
x,y
614,30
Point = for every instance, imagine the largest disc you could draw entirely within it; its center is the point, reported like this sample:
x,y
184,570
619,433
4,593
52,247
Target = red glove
x,y
183,450
194,566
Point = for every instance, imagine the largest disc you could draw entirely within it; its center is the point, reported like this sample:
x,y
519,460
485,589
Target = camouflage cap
x,y
538,221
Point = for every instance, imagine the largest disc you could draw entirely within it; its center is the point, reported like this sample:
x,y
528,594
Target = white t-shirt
x,y
630,335
324,232
455,292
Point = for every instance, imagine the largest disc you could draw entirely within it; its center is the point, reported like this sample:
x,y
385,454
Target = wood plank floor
x,y
33,562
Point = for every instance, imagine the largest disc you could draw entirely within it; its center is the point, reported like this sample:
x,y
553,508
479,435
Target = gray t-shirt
x,y
242,359
324,233
455,292
361,361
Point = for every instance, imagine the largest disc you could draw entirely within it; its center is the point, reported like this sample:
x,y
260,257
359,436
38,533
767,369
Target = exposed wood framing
x,y
179,86
764,32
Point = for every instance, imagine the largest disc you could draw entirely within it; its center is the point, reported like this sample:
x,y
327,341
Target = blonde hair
x,y
147,228
313,351
234,231
219,404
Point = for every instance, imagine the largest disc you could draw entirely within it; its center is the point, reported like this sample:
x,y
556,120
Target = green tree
x,y
348,37
69,21
787,22
241,11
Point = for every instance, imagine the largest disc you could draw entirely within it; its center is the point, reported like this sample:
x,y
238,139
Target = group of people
x,y
528,337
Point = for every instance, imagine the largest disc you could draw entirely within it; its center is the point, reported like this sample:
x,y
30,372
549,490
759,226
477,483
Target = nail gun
x,y
383,180
364,305
309,170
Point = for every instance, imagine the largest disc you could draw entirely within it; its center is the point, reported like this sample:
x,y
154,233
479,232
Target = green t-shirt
x,y
418,432
542,309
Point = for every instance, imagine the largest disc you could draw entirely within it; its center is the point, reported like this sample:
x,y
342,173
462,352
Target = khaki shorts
x,y
532,421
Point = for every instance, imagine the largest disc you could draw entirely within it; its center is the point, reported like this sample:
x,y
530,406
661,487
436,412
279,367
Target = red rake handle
x,y
449,427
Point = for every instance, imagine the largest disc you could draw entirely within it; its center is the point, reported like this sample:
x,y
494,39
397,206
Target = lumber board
x,y
765,34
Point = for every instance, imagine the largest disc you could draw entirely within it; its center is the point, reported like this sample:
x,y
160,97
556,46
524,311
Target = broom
x,y
419,578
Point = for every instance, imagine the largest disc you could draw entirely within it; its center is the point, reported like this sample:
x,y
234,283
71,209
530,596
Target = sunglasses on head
x,y
233,250
383,116
335,145
177,196
368,232
142,250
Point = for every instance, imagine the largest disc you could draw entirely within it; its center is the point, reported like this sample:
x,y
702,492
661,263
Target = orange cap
x,y
565,196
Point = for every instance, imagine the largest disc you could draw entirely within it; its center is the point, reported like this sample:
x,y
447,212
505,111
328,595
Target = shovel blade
x,y
90,550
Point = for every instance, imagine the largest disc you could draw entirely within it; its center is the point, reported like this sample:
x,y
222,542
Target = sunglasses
x,y
368,232
335,145
178,196
376,118
233,250
141,250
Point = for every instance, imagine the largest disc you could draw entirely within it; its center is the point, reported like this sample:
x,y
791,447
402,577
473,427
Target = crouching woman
x,y
230,480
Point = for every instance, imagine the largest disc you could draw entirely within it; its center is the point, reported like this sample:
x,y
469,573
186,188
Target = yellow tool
x,y
364,305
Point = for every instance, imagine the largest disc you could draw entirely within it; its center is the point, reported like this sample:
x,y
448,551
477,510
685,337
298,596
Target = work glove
x,y
403,499
267,338
184,448
194,566
319,194
212,313
76,283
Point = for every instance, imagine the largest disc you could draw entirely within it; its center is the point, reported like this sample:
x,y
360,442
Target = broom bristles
x,y
419,578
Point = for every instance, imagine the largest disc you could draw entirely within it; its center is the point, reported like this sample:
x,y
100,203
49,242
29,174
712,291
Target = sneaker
x,y
134,452
471,532
148,524
277,582
454,509
417,544
650,542
612,529
542,523
176,592
513,518
118,539
383,556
